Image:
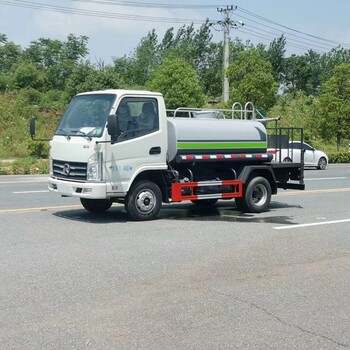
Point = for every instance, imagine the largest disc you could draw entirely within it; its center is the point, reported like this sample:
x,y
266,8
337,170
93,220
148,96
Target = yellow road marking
x,y
28,210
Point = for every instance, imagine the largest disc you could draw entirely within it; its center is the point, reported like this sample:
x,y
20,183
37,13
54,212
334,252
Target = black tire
x,y
322,163
257,196
96,205
205,203
287,160
143,201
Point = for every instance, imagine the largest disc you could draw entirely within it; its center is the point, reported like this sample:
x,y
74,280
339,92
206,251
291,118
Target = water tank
x,y
215,136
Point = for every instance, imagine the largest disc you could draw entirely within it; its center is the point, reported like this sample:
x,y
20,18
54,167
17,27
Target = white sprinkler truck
x,y
120,146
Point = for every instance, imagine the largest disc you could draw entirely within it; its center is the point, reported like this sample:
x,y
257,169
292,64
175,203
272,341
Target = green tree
x,y
193,46
298,111
75,47
3,38
251,79
49,52
57,59
314,82
334,106
145,59
210,75
177,80
10,54
275,55
88,77
297,74
331,59
308,72
27,75
196,48
136,69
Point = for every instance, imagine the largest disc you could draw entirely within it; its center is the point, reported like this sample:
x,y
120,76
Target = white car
x,y
312,156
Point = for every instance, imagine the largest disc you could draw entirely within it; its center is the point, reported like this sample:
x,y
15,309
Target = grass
x,y
24,166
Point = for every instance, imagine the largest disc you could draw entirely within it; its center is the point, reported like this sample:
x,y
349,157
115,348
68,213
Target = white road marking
x,y
311,224
300,193
22,192
23,180
326,178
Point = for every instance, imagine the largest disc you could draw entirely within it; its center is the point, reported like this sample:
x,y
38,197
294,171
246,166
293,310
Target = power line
x,y
101,14
240,9
148,4
296,46
317,46
295,38
287,34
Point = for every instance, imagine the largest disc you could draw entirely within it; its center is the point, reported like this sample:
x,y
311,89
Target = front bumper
x,y
93,190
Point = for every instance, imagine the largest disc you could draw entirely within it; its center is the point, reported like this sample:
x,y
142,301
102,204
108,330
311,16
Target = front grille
x,y
69,170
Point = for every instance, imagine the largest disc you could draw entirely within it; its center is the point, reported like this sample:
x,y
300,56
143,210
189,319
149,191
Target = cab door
x,y
137,147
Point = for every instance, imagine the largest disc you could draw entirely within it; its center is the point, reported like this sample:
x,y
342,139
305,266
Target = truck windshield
x,y
86,115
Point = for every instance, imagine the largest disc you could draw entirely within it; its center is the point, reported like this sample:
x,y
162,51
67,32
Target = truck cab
x,y
89,163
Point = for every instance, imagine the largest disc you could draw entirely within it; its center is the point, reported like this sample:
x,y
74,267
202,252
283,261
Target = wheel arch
x,y
251,172
156,176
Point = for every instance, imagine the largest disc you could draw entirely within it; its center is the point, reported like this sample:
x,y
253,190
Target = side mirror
x,y
32,128
113,125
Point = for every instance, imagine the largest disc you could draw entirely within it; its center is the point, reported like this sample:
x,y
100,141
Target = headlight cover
x,y
51,166
94,167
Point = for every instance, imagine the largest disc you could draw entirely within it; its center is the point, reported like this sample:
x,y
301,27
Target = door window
x,y
137,116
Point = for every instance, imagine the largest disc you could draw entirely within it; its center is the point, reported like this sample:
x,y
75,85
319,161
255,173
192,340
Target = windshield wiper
x,y
82,133
64,133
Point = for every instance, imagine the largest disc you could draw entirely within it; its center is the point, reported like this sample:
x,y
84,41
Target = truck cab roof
x,y
122,92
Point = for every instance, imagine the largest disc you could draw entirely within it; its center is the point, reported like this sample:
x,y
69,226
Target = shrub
x,y
339,157
38,149
22,166
25,166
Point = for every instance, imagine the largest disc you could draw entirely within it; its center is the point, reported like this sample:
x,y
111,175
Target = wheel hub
x,y
145,201
259,195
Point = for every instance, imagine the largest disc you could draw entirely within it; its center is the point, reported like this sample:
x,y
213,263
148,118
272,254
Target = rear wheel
x,y
143,201
256,197
96,205
322,163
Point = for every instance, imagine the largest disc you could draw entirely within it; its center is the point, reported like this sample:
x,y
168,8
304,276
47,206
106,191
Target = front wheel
x,y
257,196
96,205
322,163
143,201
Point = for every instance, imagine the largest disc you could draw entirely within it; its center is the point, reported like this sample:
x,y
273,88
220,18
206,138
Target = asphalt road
x,y
189,280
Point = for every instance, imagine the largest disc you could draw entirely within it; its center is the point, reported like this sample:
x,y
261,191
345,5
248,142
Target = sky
x,y
115,28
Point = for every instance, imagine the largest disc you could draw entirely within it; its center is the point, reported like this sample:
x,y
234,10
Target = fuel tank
x,y
214,136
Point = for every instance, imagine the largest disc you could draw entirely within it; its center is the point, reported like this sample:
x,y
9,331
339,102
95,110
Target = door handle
x,y
155,150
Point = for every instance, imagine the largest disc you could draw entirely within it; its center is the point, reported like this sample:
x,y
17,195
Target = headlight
x,y
94,167
51,167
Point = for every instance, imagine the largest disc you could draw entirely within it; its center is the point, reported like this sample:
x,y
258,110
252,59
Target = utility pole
x,y
226,24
